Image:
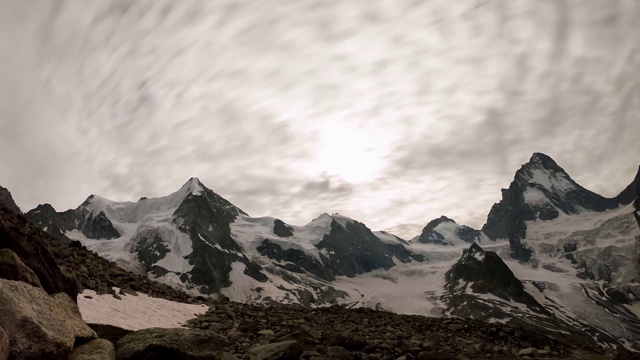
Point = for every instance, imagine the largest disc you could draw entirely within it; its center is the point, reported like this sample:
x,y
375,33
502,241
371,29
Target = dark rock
x,y
6,200
98,349
45,217
506,220
109,332
339,353
290,349
168,344
12,268
29,244
42,326
97,226
429,234
281,229
354,249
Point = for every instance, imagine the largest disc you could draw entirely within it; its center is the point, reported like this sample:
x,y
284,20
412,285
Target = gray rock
x,y
4,345
109,332
42,326
289,349
161,344
528,351
338,352
98,349
12,268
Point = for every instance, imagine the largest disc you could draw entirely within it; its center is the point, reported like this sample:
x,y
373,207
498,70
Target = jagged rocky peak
x,y
445,231
6,200
540,190
483,272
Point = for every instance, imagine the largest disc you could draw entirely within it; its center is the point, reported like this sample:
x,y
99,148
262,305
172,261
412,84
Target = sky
x,y
391,112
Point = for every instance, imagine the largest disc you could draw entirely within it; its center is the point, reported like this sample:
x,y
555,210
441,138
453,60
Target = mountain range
x,y
552,255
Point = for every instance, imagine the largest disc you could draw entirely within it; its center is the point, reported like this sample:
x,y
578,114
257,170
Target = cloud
x,y
131,98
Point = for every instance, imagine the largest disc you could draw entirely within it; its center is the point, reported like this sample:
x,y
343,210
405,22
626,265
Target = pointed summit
x,y
540,190
194,186
544,161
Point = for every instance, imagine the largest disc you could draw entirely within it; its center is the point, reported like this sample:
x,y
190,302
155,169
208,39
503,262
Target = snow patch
x,y
135,312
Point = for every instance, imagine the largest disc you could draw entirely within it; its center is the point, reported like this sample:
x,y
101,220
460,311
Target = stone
x,y
28,244
289,349
12,268
161,344
528,351
339,353
98,349
4,345
110,332
42,326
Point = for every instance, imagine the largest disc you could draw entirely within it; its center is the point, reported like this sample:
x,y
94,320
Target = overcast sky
x,y
391,112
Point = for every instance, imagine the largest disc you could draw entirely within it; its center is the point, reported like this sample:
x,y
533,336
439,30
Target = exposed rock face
x,y
295,260
161,344
485,273
45,217
353,250
12,268
98,349
631,192
93,224
26,241
42,326
281,229
206,217
445,231
540,191
6,200
97,226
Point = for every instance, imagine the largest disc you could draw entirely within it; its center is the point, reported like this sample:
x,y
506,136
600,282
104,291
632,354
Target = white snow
x,y
135,312
148,218
534,197
250,232
552,181
388,238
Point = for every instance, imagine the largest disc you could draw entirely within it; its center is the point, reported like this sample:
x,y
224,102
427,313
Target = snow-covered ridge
x,y
130,212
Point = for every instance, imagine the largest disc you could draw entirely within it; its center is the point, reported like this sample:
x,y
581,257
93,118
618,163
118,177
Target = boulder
x,y
289,349
110,332
42,326
12,268
98,349
29,243
161,344
4,345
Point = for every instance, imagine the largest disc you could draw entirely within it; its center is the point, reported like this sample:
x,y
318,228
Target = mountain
x,y
541,190
6,200
445,231
196,240
554,257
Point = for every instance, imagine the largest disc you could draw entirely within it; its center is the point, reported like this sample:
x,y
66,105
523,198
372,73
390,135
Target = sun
x,y
351,153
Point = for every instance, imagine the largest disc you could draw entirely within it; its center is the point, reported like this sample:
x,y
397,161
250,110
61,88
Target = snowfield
x,y
135,312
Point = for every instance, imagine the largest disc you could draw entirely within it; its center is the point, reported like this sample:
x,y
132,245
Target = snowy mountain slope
x,y
541,190
198,241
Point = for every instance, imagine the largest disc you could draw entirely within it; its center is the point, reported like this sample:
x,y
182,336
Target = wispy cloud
x,y
279,106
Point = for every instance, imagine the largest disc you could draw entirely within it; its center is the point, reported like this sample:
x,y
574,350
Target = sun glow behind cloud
x,y
353,154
